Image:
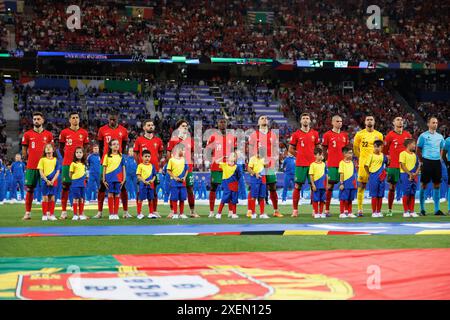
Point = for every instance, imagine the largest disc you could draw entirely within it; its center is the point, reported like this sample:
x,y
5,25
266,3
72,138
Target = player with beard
x,y
302,145
221,144
33,143
151,142
70,139
363,148
111,131
181,135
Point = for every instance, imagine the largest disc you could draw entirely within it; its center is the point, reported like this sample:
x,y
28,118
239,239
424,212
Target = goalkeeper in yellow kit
x,y
363,148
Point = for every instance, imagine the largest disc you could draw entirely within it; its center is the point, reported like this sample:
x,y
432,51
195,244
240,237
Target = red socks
x,y
150,206
191,199
376,204
412,202
51,207
342,205
110,205
181,207
64,199
139,207
252,204
221,205
405,200
315,206
44,208
321,207
408,203
349,206
328,195
295,198
391,196
274,199
116,204
174,206
81,207
78,208
262,205
28,201
101,200
124,197
155,202
212,200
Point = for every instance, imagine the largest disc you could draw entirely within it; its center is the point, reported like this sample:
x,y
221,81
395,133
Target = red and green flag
x,y
139,12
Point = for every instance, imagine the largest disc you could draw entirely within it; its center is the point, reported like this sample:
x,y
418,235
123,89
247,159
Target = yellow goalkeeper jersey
x,y
363,144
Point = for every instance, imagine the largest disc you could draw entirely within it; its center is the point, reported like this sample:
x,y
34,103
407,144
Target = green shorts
x,y
216,177
393,175
271,176
66,175
32,177
301,174
189,179
333,174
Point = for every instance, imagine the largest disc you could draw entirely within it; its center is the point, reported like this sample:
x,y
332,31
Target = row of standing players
x,y
372,153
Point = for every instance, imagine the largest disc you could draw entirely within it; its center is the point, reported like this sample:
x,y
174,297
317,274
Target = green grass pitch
x,y
11,214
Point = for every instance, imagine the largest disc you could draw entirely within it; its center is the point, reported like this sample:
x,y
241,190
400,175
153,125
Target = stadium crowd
x,y
323,100
417,31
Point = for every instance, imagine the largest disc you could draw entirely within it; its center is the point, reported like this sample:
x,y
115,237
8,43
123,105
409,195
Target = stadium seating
x,y
323,101
3,34
417,31
239,106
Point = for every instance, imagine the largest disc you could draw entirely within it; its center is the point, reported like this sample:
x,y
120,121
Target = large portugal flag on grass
x,y
294,275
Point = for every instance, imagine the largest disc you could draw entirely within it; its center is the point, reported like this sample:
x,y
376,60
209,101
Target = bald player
x,y
333,141
394,144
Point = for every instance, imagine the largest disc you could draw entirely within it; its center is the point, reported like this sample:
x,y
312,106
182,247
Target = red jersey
x,y
269,140
72,140
188,148
334,143
154,145
35,142
222,146
106,133
393,146
304,144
